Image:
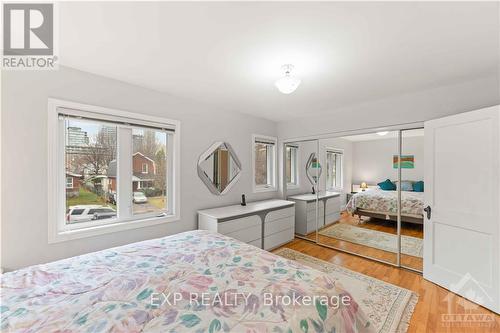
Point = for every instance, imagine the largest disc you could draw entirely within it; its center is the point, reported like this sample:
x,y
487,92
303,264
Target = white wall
x,y
372,160
24,157
401,109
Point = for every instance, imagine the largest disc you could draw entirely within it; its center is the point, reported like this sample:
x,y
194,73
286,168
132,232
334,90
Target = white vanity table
x,y
305,210
266,224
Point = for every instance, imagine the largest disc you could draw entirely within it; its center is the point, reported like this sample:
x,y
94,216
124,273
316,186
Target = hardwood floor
x,y
407,229
436,308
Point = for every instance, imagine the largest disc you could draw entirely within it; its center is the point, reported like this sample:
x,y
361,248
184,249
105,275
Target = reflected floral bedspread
x,y
412,203
196,281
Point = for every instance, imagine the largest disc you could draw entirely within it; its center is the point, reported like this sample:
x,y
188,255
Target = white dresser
x,y
266,224
305,210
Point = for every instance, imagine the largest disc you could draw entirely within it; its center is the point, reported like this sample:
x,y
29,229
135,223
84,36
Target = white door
x,y
461,238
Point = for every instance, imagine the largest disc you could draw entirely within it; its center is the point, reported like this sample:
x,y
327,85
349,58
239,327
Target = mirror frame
x,y
201,173
309,165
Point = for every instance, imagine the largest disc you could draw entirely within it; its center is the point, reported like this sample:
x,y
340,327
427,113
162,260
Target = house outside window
x,y
334,171
120,169
291,166
264,163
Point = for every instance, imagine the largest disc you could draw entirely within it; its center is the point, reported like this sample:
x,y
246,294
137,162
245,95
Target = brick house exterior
x,y
143,173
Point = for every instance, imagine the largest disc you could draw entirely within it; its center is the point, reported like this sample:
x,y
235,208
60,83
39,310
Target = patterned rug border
x,y
407,311
324,232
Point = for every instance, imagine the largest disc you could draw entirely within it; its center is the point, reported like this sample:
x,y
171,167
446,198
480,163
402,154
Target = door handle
x,y
428,210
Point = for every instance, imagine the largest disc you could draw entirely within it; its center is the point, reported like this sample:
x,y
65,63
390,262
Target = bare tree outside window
x,y
90,159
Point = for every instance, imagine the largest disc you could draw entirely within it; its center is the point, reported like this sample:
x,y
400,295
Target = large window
x,y
291,166
264,163
334,169
118,170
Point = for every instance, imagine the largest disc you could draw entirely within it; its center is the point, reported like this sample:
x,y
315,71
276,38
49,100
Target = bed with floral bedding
x,y
197,281
384,204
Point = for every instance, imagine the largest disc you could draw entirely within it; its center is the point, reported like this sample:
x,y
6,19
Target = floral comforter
x,y
196,281
412,203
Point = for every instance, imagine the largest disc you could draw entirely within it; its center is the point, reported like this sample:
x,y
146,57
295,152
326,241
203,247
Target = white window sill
x,y
261,189
63,236
292,186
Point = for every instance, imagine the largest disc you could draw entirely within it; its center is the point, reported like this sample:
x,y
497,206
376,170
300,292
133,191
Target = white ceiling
x,y
228,55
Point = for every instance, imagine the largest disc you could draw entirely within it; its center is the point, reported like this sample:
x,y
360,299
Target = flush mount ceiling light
x,y
382,133
288,83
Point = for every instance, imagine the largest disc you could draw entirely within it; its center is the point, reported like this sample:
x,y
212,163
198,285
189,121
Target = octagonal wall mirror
x,y
219,168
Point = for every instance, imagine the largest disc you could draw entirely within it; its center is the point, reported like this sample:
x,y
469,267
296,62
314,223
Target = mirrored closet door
x,y
302,173
412,199
358,188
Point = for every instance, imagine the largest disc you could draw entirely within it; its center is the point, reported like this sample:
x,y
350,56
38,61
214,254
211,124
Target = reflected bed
x,y
381,204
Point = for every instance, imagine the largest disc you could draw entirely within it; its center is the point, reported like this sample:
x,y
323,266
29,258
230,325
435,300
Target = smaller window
x,y
292,170
144,168
69,182
334,169
264,163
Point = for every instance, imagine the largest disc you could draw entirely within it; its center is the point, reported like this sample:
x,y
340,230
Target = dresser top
x,y
250,208
312,197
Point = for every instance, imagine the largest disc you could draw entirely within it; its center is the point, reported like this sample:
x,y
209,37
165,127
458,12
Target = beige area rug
x,y
411,246
388,306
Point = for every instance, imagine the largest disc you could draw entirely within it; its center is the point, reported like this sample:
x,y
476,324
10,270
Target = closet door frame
x,y
391,128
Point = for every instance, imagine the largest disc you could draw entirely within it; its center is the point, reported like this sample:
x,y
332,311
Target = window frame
x,y
58,229
147,167
294,167
272,169
340,178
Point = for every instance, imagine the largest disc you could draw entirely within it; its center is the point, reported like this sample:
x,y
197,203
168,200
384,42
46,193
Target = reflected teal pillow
x,y
406,185
387,185
418,186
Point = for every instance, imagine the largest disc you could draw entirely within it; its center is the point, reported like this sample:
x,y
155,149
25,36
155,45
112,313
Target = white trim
x,y
294,169
273,187
367,130
57,228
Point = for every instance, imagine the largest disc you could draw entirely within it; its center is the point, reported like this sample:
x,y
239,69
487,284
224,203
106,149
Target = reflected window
x,y
334,169
291,165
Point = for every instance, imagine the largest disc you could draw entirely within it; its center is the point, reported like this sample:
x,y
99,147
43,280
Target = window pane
x,y
261,164
149,171
90,162
288,165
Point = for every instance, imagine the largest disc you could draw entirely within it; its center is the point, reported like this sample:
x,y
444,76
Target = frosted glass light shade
x,y
287,84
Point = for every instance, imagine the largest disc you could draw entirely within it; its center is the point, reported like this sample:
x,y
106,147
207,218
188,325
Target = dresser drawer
x,y
279,214
333,205
311,206
278,239
275,226
311,225
256,243
247,235
331,218
238,224
311,215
